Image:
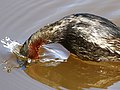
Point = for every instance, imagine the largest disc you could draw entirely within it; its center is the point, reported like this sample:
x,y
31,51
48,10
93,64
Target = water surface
x,y
20,18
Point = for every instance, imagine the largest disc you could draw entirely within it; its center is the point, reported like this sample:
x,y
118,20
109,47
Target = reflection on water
x,y
76,74
20,18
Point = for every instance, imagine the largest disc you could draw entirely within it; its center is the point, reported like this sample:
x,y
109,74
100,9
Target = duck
x,y
90,37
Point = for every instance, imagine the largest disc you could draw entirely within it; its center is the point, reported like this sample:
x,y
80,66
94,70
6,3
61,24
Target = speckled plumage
x,y
88,36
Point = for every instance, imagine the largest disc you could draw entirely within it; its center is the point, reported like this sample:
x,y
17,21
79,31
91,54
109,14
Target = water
x,y
19,19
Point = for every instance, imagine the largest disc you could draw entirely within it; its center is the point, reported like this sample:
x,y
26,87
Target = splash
x,y
52,54
13,47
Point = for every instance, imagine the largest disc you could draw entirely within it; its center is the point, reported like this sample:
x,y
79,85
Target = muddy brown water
x,y
19,19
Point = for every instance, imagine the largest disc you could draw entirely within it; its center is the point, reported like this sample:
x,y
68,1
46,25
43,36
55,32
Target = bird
x,y
90,37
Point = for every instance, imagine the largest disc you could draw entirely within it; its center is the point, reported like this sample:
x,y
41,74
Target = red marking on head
x,y
33,49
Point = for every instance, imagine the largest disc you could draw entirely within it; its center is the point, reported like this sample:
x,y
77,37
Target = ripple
x,y
20,18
